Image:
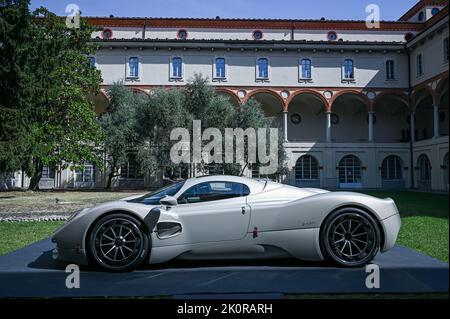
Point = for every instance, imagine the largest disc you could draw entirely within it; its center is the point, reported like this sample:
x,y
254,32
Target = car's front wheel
x,y
118,242
350,237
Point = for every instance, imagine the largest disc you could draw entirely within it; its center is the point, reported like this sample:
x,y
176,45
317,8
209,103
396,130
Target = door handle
x,y
243,211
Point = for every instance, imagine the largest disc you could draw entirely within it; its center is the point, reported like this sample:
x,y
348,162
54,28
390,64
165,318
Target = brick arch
x,y
308,91
268,91
104,94
139,90
402,95
441,85
360,94
229,92
420,88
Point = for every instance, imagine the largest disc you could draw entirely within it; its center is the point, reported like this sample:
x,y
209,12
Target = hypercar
x,y
229,217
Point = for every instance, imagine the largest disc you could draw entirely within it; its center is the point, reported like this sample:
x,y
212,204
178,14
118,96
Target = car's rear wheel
x,y
118,242
350,237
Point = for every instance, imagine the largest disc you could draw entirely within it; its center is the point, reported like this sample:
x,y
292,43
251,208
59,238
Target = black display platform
x,y
31,272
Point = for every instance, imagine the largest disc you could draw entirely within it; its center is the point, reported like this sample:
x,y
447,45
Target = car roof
x,y
255,185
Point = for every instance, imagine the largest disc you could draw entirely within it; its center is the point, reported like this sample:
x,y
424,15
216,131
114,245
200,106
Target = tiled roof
x,y
250,23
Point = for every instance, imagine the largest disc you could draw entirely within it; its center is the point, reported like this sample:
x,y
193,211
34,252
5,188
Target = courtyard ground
x,y
424,217
28,202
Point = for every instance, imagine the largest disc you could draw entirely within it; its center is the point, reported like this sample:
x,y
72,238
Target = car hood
x,y
131,197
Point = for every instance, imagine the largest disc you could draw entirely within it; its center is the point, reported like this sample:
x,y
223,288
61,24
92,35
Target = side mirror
x,y
168,201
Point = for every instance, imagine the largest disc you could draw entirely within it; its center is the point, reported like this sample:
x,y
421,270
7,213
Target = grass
x,y
16,235
428,235
424,221
412,203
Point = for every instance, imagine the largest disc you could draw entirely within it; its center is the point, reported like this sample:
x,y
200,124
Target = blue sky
x,y
284,9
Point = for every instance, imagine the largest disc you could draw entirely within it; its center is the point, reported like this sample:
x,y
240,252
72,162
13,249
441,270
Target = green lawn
x,y
424,221
16,235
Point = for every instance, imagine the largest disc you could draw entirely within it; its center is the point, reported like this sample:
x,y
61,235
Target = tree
x,y
169,109
164,111
57,122
119,127
252,116
15,92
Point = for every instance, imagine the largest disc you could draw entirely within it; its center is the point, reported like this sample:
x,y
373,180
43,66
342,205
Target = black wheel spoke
x,y
118,242
351,237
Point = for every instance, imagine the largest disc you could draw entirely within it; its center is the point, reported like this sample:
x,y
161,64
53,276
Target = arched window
x,y
350,171
262,68
424,168
305,69
177,68
133,66
306,168
391,168
220,68
349,69
390,70
435,11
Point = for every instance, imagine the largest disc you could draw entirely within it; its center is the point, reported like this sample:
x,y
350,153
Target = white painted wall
x,y
247,34
433,58
284,67
353,35
121,33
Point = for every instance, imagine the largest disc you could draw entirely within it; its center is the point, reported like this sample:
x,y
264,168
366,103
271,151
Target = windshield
x,y
153,198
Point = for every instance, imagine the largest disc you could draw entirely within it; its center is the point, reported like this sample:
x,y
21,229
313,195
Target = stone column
x,y
285,125
436,120
328,126
370,126
412,127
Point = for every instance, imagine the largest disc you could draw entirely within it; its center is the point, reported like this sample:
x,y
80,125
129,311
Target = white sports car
x,y
229,217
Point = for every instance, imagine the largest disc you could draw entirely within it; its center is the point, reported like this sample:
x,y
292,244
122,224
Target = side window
x,y
211,191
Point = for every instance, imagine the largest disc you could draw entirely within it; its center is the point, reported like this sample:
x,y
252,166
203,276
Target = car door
x,y
214,211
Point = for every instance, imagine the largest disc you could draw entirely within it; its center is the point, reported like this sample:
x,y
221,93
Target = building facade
x,y
360,107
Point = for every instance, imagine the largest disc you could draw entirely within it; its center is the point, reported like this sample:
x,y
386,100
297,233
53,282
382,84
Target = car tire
x,y
350,237
118,242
